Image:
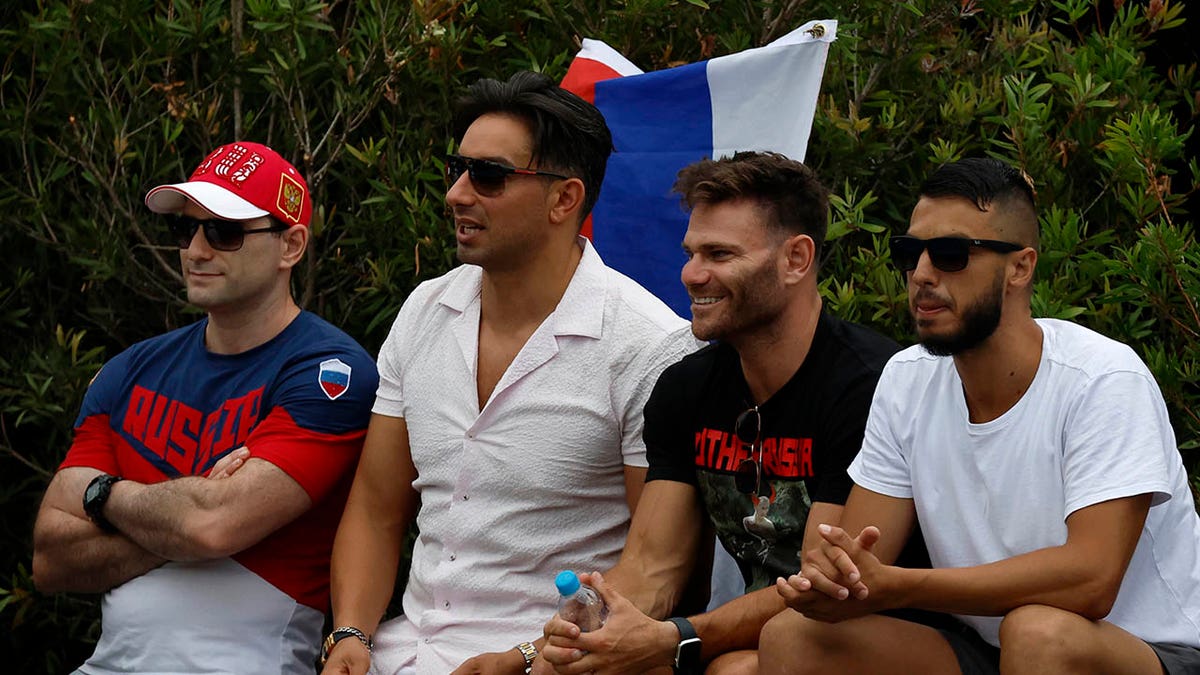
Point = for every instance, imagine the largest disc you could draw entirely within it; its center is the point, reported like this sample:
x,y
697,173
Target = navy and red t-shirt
x,y
167,407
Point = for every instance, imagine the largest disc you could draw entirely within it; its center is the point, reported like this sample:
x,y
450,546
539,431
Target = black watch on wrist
x,y
96,496
687,652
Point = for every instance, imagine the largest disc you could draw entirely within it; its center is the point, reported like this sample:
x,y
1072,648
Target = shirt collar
x,y
579,312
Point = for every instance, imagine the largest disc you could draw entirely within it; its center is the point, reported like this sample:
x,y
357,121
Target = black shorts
x,y
1177,659
978,657
975,655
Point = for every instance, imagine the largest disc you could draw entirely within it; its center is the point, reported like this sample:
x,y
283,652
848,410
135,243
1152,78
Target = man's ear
x,y
566,199
801,257
293,241
1021,269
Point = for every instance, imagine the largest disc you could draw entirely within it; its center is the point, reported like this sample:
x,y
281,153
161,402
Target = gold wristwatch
x,y
530,653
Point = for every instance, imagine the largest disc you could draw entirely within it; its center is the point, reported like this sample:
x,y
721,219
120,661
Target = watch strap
x,y
95,496
529,652
687,652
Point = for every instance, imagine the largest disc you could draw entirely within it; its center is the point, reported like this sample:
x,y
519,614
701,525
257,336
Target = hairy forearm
x,y
170,519
197,518
736,624
71,554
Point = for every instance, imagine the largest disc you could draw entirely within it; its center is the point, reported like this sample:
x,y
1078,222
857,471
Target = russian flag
x,y
758,99
334,377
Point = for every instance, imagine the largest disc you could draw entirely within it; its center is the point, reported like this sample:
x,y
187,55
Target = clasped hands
x,y
839,579
629,641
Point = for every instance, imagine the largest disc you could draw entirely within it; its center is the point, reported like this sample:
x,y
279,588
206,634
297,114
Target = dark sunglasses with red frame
x,y
488,177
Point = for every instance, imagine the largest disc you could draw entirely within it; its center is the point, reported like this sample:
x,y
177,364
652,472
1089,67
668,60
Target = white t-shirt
x,y
1092,427
534,483
187,612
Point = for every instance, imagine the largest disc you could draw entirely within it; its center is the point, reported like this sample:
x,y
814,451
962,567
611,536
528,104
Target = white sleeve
x,y
389,398
1117,440
633,386
882,464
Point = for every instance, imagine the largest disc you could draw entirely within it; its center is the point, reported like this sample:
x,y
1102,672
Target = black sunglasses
x,y
948,254
221,235
748,429
487,177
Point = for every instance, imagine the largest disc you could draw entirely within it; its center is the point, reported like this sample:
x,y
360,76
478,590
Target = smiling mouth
x,y
705,301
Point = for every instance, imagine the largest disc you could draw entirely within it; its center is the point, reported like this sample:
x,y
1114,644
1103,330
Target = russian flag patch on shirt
x,y
334,378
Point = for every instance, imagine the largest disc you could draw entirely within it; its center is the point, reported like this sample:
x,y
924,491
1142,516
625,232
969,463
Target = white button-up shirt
x,y
533,483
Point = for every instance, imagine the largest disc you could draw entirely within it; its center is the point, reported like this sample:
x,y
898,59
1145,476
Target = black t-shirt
x,y
812,428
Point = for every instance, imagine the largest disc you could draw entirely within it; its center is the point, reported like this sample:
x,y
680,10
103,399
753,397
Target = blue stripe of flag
x,y
661,122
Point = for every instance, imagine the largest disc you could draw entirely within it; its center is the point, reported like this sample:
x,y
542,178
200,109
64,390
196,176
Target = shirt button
x,y
447,604
466,497
452,558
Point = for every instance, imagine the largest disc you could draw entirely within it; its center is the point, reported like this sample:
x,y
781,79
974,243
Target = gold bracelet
x,y
339,633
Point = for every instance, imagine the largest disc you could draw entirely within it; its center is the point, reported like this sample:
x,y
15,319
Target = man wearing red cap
x,y
210,464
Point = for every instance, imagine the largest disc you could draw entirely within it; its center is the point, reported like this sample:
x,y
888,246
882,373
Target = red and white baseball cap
x,y
240,181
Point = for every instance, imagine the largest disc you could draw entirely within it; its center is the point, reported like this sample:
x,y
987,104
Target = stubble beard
x,y
758,303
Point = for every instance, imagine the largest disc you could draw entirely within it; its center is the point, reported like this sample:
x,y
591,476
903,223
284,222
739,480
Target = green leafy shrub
x,y
101,100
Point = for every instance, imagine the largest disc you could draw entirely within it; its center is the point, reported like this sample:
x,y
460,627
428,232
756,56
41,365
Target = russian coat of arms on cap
x,y
334,378
291,197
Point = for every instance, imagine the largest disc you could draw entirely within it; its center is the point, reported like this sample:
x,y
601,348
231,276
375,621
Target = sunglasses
x,y
748,429
487,177
948,254
221,235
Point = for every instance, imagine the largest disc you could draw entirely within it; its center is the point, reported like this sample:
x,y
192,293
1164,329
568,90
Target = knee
x,y
1044,637
742,662
790,643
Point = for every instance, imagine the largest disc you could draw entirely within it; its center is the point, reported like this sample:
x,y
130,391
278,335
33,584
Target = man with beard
x,y
750,436
1038,459
509,413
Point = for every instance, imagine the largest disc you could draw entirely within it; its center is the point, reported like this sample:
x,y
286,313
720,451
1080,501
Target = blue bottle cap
x,y
567,582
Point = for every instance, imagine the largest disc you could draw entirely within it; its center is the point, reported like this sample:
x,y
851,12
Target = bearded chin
x,y
979,322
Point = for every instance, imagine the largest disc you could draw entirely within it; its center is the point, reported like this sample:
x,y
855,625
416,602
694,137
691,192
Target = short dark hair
x,y
795,200
569,134
981,180
986,181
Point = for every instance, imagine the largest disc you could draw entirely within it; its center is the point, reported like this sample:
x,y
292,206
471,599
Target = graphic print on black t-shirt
x,y
812,428
761,546
764,528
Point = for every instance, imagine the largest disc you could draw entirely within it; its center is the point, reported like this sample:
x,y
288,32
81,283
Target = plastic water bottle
x,y
579,604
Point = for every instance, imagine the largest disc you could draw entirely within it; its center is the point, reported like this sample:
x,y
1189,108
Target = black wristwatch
x,y
687,652
96,496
